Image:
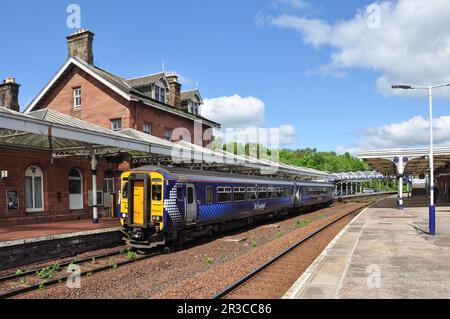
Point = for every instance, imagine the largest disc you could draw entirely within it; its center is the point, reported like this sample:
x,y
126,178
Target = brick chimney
x,y
80,45
9,94
175,90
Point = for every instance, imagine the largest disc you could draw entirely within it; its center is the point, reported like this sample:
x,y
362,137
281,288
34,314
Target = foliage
x,y
48,272
131,254
324,161
309,158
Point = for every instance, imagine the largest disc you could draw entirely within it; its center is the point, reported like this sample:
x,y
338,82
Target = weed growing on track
x,y
210,260
42,284
22,281
47,272
301,223
280,234
93,261
112,263
131,254
89,274
19,271
253,241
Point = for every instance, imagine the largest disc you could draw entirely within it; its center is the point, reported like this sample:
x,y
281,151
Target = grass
x,y
301,223
19,271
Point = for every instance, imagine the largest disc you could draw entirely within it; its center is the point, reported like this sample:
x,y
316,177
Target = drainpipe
x,y
94,189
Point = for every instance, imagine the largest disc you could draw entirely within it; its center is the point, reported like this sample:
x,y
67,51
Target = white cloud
x,y
234,111
244,118
411,43
287,135
410,133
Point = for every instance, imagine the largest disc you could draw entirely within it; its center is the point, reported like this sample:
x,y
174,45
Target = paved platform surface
x,y
383,253
52,230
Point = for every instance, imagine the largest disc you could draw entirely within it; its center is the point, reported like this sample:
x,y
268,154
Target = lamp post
x,y
432,208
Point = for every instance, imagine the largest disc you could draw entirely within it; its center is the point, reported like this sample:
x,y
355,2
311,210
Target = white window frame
x,y
149,126
114,121
171,133
77,98
37,173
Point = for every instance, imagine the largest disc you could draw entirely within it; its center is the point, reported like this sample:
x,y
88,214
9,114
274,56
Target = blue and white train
x,y
163,205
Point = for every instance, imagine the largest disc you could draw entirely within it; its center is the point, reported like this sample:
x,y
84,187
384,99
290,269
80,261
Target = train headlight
x,y
124,215
157,219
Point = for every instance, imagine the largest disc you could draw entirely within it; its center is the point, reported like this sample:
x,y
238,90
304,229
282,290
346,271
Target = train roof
x,y
196,175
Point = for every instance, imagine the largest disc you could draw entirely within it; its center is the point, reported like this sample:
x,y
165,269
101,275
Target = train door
x,y
138,202
191,204
138,199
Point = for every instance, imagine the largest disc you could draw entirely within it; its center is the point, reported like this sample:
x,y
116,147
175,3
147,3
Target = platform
x,y
25,244
52,230
383,253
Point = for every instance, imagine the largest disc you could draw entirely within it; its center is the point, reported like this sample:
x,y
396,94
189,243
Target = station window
x,y
116,124
223,194
147,128
76,98
262,193
239,194
251,193
209,197
168,134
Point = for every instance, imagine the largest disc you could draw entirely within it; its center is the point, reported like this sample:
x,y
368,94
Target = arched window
x,y
34,189
75,189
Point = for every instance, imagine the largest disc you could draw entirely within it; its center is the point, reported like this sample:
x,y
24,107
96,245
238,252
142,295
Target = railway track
x,y
20,282
267,278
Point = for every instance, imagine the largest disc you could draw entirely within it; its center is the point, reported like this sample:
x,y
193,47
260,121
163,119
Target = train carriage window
x,y
190,195
239,194
279,192
209,196
156,192
223,194
251,193
125,190
270,192
262,193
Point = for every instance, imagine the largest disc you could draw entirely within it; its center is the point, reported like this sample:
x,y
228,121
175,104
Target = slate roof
x,y
145,80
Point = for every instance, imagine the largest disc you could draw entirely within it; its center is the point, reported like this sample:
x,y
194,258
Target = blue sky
x,y
270,50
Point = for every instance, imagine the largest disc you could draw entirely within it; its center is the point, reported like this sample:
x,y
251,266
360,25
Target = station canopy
x,y
360,176
415,159
65,136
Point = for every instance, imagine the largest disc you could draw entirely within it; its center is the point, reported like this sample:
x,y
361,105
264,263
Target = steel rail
x,y
260,269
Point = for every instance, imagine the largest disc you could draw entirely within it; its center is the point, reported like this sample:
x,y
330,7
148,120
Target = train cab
x,y
142,207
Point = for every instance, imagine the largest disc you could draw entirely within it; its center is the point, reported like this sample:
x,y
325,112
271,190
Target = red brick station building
x,y
37,188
